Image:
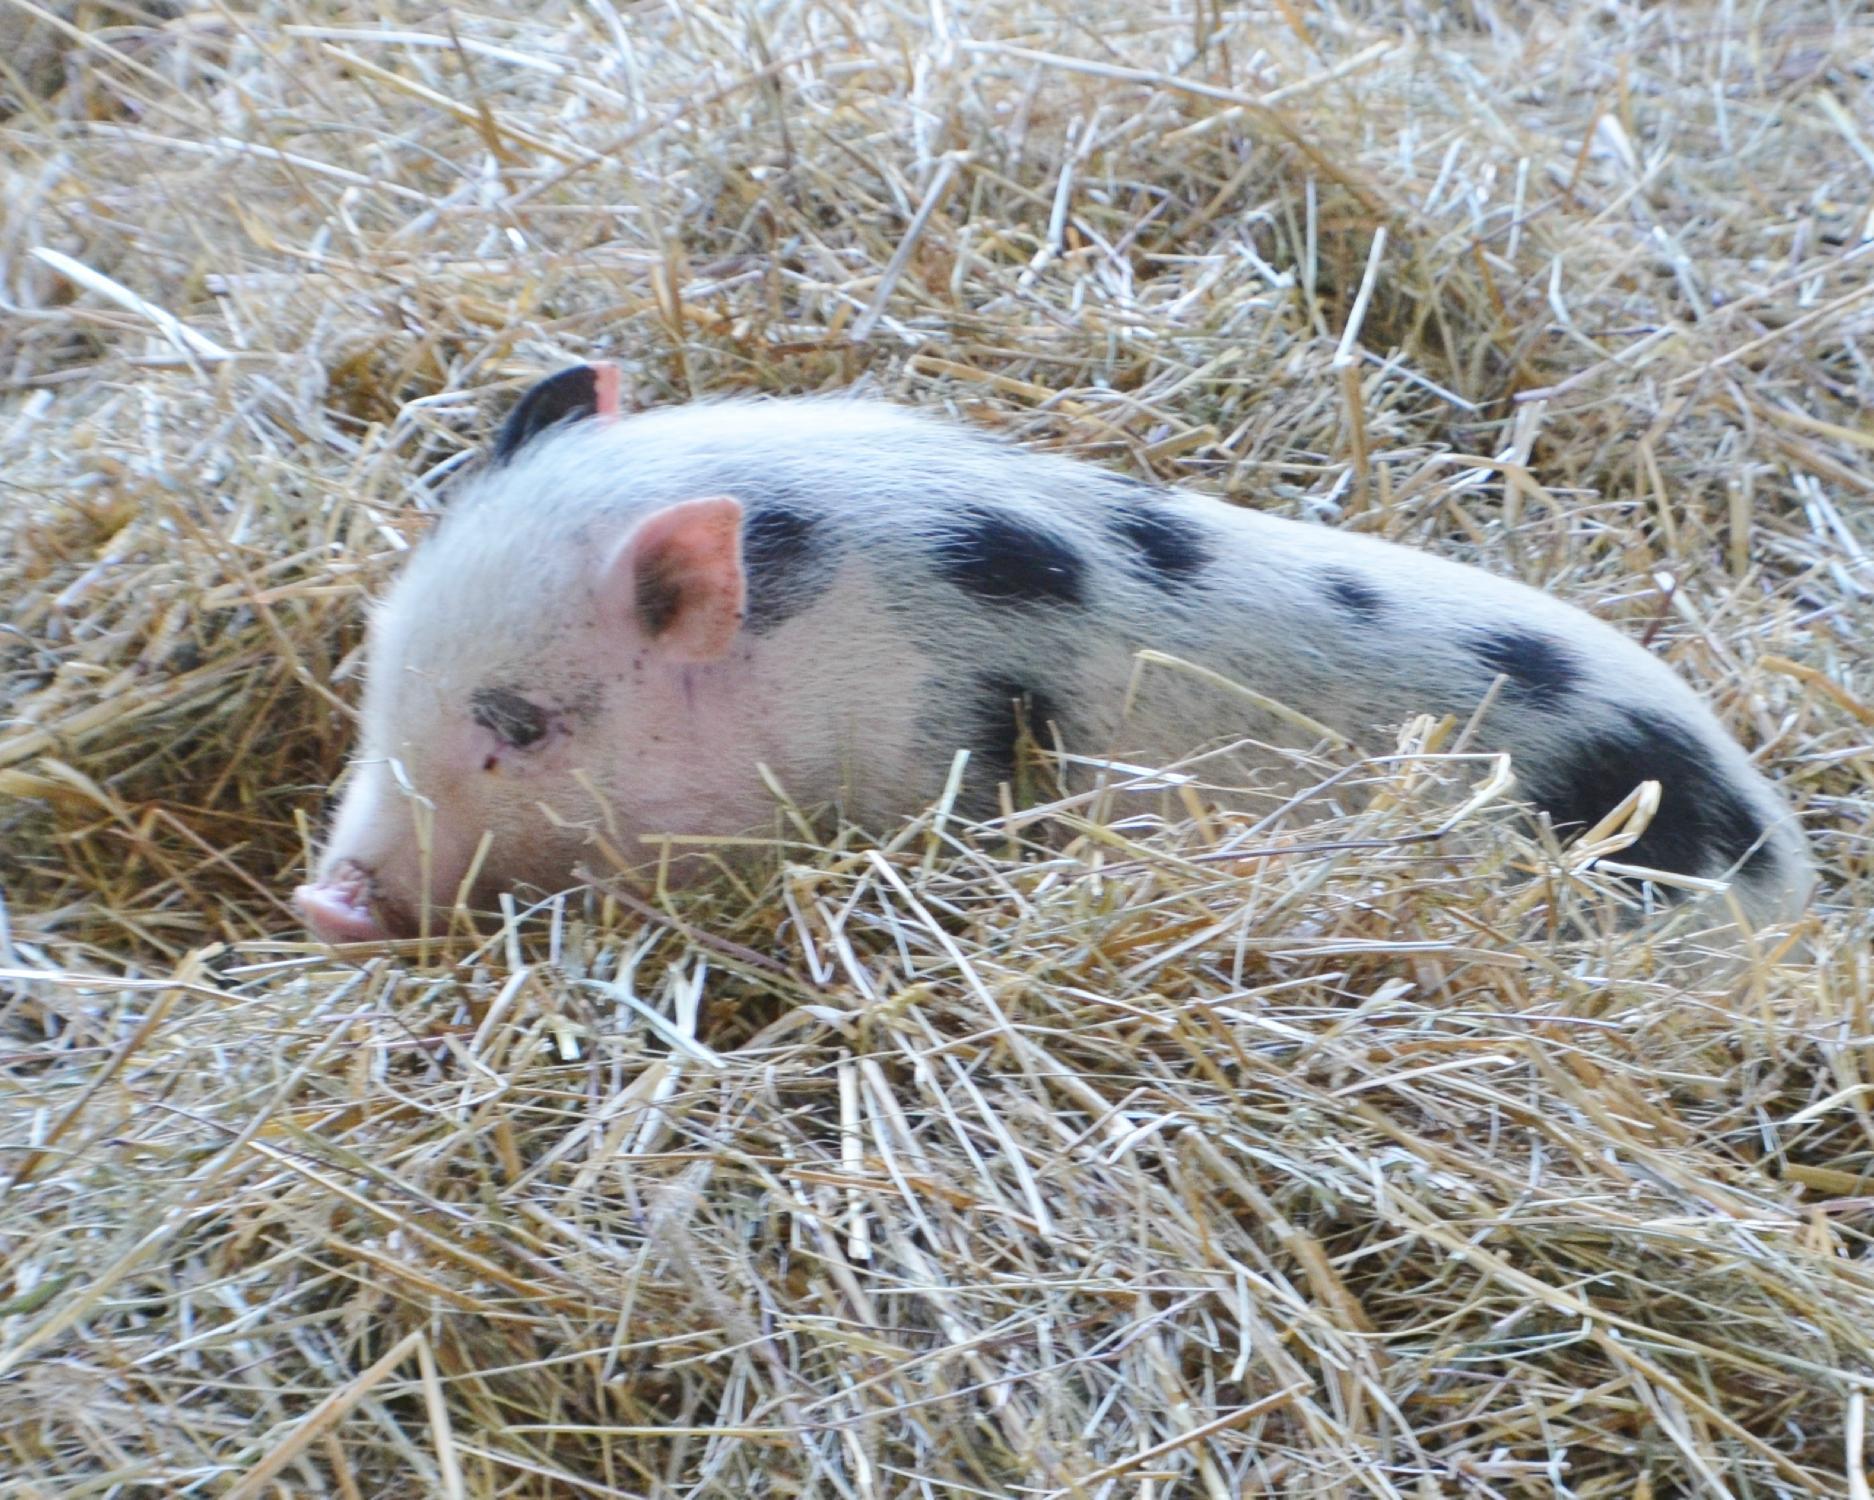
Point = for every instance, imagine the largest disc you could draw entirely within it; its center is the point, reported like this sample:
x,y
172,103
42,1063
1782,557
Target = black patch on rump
x,y
1703,822
1001,708
1162,548
1355,595
1006,561
513,719
569,396
788,558
1541,672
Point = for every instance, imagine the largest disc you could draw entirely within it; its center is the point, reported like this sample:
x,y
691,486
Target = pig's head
x,y
517,674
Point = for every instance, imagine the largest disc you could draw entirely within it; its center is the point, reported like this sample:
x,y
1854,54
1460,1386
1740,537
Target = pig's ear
x,y
570,396
678,577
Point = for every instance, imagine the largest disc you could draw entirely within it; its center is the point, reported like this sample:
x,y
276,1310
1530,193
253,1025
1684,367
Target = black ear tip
x,y
569,396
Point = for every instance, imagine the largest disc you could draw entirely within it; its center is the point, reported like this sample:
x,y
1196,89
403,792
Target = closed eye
x,y
512,719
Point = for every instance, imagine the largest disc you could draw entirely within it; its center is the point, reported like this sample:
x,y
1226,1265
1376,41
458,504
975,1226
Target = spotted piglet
x,y
622,617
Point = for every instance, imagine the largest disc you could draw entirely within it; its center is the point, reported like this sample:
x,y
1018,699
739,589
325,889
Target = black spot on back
x,y
568,396
1001,708
514,719
1006,561
1355,595
1703,822
1541,672
1163,548
789,558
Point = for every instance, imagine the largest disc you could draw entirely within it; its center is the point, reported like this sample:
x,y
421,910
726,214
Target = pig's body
x,y
902,583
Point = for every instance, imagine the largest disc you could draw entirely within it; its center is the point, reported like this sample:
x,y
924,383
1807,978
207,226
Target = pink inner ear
x,y
681,573
606,386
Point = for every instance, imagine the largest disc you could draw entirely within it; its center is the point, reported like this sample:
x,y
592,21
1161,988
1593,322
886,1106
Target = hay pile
x,y
1073,1157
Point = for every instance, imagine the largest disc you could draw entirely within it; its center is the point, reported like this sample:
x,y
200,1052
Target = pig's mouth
x,y
345,906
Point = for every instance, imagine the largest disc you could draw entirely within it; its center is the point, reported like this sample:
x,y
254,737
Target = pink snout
x,y
339,907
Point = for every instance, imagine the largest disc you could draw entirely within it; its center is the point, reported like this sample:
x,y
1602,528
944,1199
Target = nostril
x,y
339,907
334,918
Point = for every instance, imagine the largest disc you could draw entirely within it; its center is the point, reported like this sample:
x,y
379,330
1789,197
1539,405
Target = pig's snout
x,y
342,906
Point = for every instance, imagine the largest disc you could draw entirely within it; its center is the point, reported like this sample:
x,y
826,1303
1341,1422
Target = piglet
x,y
621,617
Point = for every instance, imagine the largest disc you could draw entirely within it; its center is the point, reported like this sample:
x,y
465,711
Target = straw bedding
x,y
1084,1154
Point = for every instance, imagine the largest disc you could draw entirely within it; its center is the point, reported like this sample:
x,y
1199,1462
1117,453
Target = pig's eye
x,y
510,717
